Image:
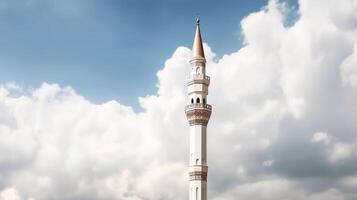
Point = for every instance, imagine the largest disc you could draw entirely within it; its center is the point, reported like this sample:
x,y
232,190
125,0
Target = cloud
x,y
9,194
283,125
335,149
321,137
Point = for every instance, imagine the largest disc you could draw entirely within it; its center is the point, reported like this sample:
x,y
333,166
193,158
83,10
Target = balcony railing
x,y
199,105
197,76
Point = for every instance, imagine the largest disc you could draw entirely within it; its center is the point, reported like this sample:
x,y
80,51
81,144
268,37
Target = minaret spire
x,y
197,48
198,112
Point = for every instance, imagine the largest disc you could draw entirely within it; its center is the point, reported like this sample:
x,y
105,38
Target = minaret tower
x,y
198,113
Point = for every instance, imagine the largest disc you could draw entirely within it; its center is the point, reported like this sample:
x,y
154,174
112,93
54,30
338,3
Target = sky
x,y
283,91
108,49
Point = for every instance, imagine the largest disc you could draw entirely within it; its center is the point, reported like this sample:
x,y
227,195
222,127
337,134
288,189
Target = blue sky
x,y
109,49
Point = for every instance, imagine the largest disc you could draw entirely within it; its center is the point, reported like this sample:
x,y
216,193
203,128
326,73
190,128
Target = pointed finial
x,y
198,20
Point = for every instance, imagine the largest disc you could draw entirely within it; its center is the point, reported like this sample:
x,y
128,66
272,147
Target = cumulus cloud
x,y
9,194
321,137
283,125
335,149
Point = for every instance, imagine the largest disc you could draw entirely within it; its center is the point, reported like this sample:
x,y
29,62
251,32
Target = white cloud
x,y
321,137
268,163
349,70
336,150
269,98
340,151
9,194
263,190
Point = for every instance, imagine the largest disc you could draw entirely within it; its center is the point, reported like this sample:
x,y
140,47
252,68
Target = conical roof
x,y
197,48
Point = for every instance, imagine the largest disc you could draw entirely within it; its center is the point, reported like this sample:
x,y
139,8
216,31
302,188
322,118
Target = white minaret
x,y
198,113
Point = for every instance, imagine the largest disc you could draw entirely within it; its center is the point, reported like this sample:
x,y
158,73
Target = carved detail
x,y
198,176
198,114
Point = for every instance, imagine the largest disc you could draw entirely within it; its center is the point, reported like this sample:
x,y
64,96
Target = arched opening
x,y
197,161
198,100
196,193
204,101
192,101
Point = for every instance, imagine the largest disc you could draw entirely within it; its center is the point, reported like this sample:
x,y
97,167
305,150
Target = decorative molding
x,y
198,79
198,105
198,176
198,113
195,60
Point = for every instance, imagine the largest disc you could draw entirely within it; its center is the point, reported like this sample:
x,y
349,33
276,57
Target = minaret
x,y
198,113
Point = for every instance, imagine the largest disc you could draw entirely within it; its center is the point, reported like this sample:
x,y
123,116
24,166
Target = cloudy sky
x,y
92,96
98,47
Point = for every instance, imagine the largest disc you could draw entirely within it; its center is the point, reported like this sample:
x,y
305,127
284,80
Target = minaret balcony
x,y
198,106
198,113
198,79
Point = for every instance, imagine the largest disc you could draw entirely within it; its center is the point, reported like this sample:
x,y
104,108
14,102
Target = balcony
x,y
198,113
198,78
198,105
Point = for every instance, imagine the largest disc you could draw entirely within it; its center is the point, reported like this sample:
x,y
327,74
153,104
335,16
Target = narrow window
x,y
197,161
192,100
204,101
198,100
196,193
